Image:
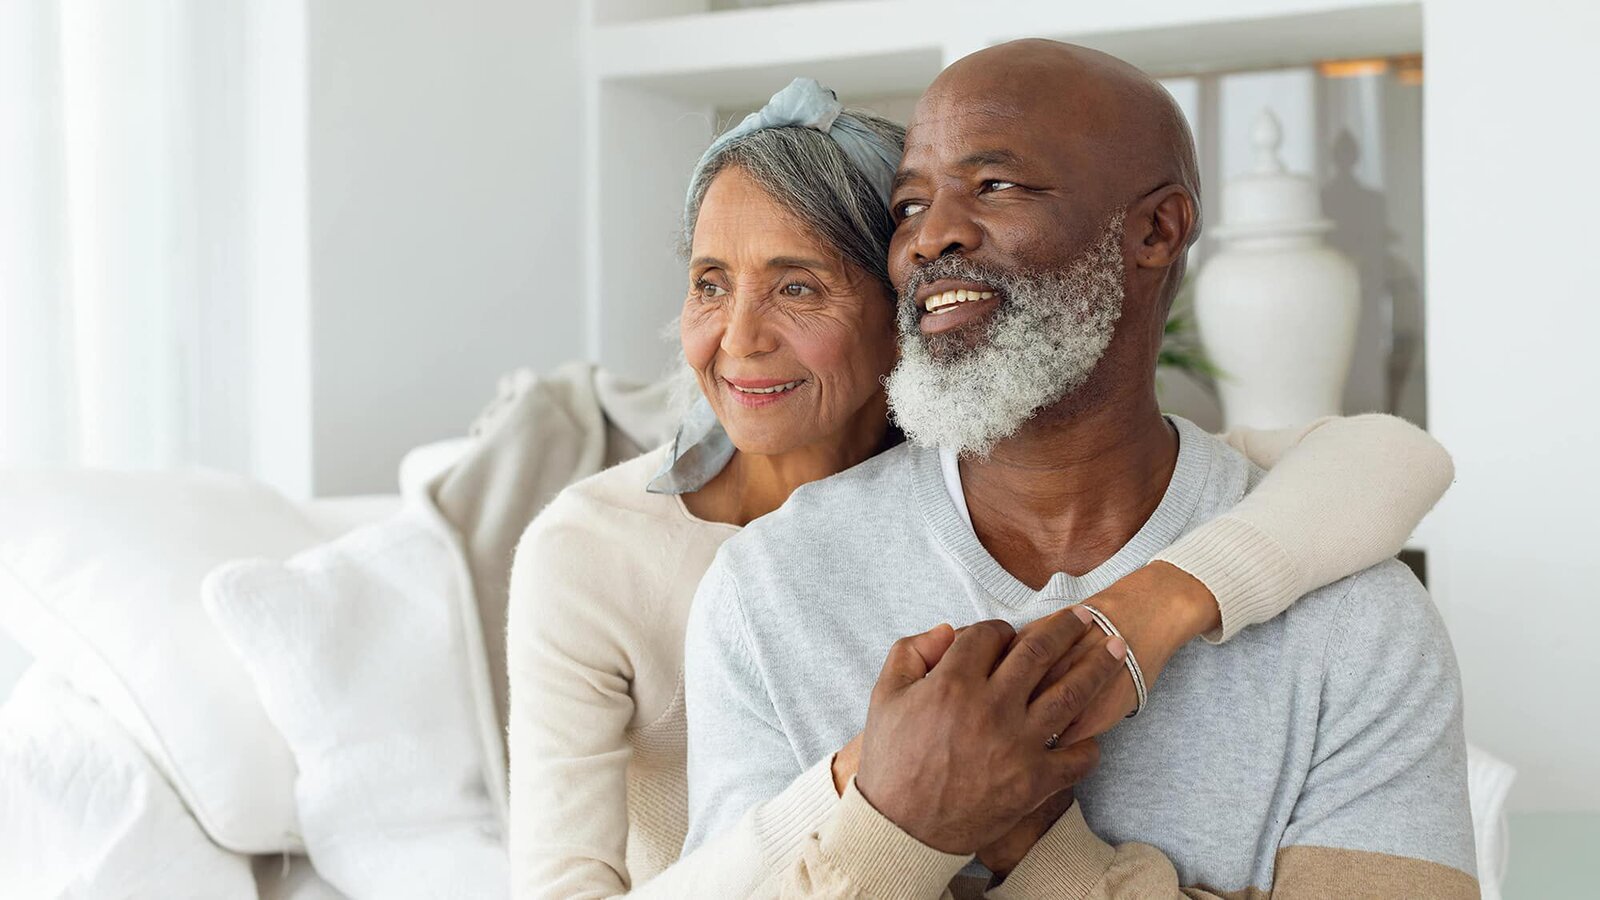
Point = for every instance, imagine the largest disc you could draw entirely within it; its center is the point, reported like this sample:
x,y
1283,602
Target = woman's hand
x,y
845,763
1158,609
1003,855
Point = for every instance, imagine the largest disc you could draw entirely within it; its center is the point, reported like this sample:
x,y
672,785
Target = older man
x,y
1046,203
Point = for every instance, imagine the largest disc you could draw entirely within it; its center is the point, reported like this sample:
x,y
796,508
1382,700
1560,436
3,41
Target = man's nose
x,y
746,332
946,226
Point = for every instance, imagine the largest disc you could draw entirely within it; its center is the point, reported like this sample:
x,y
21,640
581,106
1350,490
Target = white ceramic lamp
x,y
1277,308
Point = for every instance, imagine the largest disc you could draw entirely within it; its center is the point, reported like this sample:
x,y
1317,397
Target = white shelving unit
x,y
662,76
1509,327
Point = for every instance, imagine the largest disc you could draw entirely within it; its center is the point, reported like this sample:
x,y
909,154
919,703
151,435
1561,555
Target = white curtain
x,y
123,277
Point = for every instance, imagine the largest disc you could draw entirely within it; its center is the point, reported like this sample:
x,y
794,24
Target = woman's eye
x,y
796,289
910,208
708,290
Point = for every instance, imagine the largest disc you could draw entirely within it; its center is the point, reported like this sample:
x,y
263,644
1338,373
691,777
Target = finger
x,y
1038,647
932,644
1061,703
1066,766
1101,717
906,664
1092,640
1055,804
976,648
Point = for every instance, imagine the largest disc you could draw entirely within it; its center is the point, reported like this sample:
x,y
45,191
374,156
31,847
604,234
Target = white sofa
x,y
104,767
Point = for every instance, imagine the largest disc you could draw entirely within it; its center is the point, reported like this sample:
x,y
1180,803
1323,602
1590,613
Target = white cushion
x,y
1489,781
100,580
290,877
426,462
337,515
85,814
358,651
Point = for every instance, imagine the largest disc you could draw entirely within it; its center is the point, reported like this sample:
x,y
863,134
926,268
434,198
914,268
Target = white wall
x,y
1511,140
281,237
634,303
444,158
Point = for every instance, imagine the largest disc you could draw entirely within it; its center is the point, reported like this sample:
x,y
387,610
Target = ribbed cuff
x,y
1251,575
879,859
784,822
1067,862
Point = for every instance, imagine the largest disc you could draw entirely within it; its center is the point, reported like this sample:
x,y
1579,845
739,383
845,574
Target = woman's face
x,y
788,340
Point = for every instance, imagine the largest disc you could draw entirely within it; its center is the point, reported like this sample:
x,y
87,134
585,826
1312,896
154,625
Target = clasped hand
x,y
974,738
958,747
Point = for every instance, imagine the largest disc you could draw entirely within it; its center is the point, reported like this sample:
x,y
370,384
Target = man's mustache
x,y
955,268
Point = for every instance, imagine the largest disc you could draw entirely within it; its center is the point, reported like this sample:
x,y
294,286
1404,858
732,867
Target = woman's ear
x,y
1162,224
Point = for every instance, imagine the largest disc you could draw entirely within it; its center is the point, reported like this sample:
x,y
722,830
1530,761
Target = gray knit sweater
x,y
1335,726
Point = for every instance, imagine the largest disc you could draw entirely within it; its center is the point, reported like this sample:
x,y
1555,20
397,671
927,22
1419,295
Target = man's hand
x,y
1158,609
957,755
930,646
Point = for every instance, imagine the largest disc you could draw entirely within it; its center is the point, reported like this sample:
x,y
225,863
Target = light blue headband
x,y
702,448
807,104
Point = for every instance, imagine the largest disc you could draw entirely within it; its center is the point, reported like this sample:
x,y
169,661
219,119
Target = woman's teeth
x,y
949,299
777,389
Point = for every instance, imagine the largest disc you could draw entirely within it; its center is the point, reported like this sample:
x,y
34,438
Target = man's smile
x,y
948,304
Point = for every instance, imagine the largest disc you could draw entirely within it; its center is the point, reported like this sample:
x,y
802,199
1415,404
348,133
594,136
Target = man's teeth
x,y
777,389
949,299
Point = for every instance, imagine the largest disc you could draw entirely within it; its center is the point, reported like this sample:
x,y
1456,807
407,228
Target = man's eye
x,y
796,289
909,208
996,185
708,290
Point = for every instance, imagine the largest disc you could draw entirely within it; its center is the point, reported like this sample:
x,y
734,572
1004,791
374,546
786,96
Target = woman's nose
x,y
746,332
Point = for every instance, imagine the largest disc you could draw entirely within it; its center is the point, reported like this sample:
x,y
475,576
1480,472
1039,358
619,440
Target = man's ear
x,y
1162,223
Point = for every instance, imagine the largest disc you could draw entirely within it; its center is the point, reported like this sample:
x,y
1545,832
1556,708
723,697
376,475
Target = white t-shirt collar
x,y
950,465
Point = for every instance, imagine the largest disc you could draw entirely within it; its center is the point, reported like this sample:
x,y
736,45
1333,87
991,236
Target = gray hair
x,y
806,172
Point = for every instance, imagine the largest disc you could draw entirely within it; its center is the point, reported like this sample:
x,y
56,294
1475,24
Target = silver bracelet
x,y
1133,664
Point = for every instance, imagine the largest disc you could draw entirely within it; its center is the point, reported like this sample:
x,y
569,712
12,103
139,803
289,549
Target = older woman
x,y
789,327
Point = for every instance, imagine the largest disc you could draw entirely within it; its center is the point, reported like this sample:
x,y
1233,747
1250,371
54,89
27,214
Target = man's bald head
x,y
1126,122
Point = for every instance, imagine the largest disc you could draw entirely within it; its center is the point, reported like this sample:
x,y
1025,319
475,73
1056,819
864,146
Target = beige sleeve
x,y
570,659
568,663
858,854
1072,863
1342,494
756,854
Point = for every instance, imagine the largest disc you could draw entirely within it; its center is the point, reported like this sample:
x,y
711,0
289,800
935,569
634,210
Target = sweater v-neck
x,y
936,483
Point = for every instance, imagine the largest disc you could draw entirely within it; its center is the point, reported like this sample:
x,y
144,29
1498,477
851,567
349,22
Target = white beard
x,y
1041,343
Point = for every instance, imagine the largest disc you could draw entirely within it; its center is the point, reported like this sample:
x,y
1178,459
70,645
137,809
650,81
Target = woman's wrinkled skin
x,y
770,305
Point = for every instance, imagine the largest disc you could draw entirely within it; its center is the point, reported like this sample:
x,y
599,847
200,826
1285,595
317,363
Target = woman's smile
x,y
755,393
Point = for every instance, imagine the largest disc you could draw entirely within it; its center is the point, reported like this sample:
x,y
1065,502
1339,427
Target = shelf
x,y
739,57
870,74
735,57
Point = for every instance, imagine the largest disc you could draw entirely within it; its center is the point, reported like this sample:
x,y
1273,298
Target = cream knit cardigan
x,y
600,593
